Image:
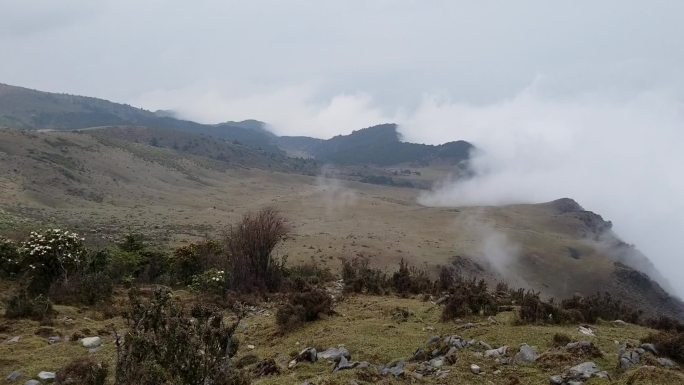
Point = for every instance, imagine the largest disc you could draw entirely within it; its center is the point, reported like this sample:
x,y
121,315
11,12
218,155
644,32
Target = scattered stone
x,y
91,342
54,339
619,322
396,369
343,364
437,362
15,375
666,362
556,380
308,354
497,372
455,341
251,347
433,340
496,353
650,348
32,382
485,345
334,354
442,373
586,331
475,369
525,355
46,376
629,358
12,340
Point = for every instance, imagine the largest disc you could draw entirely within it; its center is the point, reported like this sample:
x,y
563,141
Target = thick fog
x,y
578,99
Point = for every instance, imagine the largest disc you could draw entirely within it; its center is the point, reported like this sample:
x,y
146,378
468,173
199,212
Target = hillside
x,y
380,145
96,183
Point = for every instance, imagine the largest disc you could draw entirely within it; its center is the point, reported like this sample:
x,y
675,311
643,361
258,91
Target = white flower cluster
x,y
216,275
210,280
65,246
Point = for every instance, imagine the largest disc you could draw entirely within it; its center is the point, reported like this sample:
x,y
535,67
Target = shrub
x,y
85,288
310,273
10,258
359,277
603,306
469,297
535,311
23,305
163,345
305,305
212,281
669,343
409,280
665,323
561,340
250,245
82,371
50,255
194,258
447,279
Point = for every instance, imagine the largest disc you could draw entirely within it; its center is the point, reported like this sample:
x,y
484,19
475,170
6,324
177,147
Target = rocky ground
x,y
371,339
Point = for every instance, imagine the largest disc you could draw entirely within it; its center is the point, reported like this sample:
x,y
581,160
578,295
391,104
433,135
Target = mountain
x,y
379,145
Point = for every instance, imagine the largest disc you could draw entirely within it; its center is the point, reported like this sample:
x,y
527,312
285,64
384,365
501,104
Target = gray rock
x,y
343,364
556,380
15,375
13,340
496,353
46,376
433,340
666,362
485,345
525,355
396,369
54,339
455,341
32,382
91,342
475,369
583,371
650,348
437,362
334,354
628,359
619,322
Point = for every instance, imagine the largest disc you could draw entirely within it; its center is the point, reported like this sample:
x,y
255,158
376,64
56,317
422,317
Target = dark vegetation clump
x,y
668,343
410,280
469,297
533,310
24,305
306,304
310,273
82,371
10,258
164,345
359,277
560,339
665,323
601,306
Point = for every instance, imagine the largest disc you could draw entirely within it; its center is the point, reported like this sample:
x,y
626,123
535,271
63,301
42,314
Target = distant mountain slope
x,y
30,109
378,145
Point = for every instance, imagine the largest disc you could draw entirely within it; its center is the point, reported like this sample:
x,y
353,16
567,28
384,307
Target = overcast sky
x,y
565,98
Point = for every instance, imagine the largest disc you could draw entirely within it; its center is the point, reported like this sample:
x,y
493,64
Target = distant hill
x,y
378,145
381,145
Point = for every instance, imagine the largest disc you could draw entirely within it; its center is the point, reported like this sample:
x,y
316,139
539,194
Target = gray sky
x,y
566,98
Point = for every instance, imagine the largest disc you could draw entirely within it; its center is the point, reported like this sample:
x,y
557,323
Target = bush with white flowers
x,y
51,254
10,259
210,281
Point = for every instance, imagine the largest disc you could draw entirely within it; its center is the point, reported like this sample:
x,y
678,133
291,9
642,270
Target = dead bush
x,y
82,371
250,245
410,280
164,345
304,305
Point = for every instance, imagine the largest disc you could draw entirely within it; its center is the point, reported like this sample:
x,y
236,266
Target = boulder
x,y
586,331
308,354
396,369
496,353
91,342
47,376
584,371
343,364
649,348
334,354
666,362
525,355
15,375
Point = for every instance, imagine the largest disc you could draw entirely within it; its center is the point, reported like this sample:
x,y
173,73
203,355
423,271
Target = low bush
x,y
665,323
409,280
601,306
359,277
669,343
82,371
212,281
533,310
469,297
311,273
23,305
164,345
190,260
303,305
83,289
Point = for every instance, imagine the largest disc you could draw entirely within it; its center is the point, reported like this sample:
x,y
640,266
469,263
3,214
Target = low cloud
x,y
336,196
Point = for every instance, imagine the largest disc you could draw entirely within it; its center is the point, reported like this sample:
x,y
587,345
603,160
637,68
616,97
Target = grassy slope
x,y
365,326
